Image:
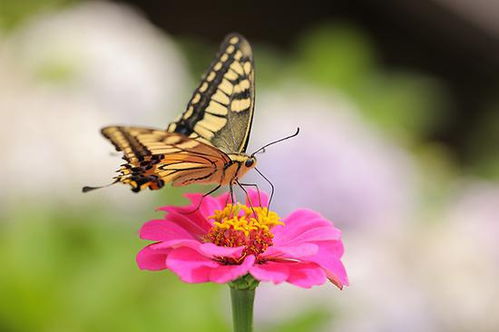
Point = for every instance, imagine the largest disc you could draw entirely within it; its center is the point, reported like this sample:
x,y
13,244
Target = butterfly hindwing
x,y
126,139
155,157
220,111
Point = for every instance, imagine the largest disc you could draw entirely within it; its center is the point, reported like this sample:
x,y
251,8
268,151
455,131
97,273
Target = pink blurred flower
x,y
221,242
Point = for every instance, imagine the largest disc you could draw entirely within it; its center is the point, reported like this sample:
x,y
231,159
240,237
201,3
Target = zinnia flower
x,y
222,242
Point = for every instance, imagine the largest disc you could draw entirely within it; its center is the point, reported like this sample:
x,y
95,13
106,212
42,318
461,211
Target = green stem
x,y
242,309
242,294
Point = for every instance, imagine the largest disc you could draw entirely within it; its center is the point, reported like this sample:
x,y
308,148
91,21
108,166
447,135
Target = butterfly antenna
x,y
86,189
272,188
276,141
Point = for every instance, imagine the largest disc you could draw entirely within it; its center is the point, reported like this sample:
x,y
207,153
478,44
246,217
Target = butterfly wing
x,y
220,111
156,157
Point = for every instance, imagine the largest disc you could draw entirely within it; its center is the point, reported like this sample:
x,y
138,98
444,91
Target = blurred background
x,y
399,109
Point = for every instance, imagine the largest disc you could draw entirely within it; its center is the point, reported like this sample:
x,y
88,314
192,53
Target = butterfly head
x,y
245,161
250,162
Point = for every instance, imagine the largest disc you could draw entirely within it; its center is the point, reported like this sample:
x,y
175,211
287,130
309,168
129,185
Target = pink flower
x,y
221,242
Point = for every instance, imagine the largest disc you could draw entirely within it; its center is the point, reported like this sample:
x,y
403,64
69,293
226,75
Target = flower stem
x,y
242,294
242,309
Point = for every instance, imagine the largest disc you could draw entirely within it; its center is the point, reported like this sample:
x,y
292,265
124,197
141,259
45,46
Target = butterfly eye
x,y
249,162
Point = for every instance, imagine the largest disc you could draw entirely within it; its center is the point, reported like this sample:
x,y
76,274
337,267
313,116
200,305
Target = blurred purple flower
x,y
360,176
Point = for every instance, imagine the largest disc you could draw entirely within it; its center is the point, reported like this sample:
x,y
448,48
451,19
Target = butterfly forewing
x,y
220,111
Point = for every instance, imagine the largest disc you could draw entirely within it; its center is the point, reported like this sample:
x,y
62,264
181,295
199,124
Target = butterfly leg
x,y
272,188
247,196
254,185
212,191
231,196
202,198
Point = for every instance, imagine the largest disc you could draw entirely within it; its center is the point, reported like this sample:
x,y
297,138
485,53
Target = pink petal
x,y
225,273
328,258
186,209
192,223
306,275
331,248
303,275
198,275
152,259
208,204
208,250
177,243
339,276
306,234
162,230
190,265
196,215
193,267
270,271
305,215
295,252
256,198
223,200
212,250
301,226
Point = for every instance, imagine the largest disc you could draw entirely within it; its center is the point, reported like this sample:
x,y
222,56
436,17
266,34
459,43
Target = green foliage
x,y
335,55
74,271
483,147
14,12
57,71
315,319
405,104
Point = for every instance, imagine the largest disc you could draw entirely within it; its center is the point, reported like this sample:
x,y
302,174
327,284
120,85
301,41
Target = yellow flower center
x,y
239,225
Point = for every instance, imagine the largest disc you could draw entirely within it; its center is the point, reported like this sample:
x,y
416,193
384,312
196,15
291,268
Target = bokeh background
x,y
399,109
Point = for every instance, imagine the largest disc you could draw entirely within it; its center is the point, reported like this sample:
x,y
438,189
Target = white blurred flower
x,y
337,165
475,210
65,75
462,266
112,57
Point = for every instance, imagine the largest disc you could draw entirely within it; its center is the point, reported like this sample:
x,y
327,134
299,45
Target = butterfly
x,y
207,143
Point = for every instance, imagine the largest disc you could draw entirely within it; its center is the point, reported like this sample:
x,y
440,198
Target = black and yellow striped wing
x,y
196,147
155,157
220,111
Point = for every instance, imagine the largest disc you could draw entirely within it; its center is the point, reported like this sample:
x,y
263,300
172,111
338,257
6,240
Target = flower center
x,y
238,225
